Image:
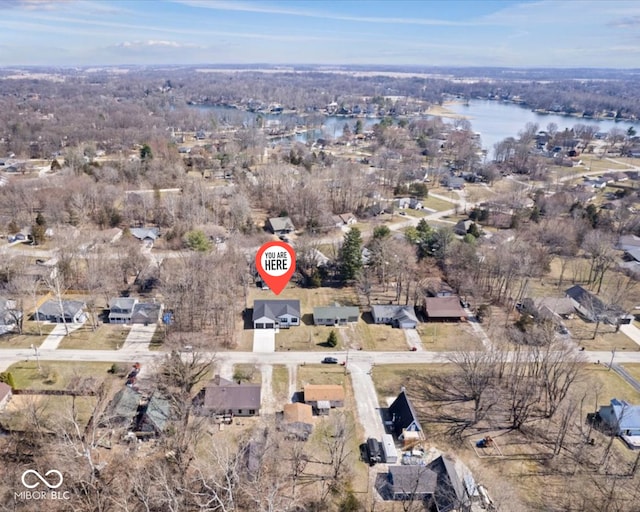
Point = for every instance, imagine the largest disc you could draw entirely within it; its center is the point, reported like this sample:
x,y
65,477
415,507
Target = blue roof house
x,y
624,419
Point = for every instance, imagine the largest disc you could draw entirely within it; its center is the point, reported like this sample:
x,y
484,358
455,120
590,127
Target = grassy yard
x,y
105,337
280,383
158,339
51,412
437,204
606,339
247,373
372,336
306,336
30,336
633,369
448,336
57,374
321,374
526,467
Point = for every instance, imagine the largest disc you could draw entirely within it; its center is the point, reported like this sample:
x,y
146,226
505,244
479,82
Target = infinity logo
x,y
42,479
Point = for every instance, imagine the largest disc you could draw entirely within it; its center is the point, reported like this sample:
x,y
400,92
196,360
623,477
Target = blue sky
x,y
554,33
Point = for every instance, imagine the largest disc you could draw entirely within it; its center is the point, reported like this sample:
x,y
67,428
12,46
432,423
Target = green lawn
x,y
437,204
321,374
247,373
158,338
52,413
57,374
28,337
280,383
440,336
105,337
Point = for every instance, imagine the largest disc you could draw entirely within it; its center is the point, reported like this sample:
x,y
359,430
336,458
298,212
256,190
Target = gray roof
x,y
122,303
144,312
124,405
221,394
70,307
412,480
633,252
281,224
274,309
557,305
394,311
336,312
157,413
628,241
144,233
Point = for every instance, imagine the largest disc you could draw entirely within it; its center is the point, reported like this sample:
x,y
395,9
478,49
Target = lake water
x,y
496,121
332,127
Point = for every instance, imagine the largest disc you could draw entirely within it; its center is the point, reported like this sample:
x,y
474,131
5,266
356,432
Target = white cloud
x,y
306,13
156,43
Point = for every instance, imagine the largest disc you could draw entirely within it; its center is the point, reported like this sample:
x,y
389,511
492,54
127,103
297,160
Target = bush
x,y
332,340
7,378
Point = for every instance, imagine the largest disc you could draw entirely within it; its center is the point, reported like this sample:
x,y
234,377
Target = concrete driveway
x,y
139,338
264,340
54,338
364,393
413,339
632,332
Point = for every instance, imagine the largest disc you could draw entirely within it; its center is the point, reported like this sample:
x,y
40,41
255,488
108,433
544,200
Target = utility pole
x,y
613,354
37,356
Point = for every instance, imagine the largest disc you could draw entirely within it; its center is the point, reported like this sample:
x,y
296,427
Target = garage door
x,y
259,326
269,326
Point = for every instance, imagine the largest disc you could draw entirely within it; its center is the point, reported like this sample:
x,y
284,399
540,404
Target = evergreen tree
x,y
39,229
332,340
350,256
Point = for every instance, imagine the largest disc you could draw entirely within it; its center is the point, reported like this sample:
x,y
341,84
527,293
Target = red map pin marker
x,y
276,263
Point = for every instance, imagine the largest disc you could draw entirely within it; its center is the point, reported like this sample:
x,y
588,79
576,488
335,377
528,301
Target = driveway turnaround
x,y
264,340
52,341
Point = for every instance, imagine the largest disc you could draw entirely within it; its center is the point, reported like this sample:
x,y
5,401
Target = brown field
x,y
443,336
527,465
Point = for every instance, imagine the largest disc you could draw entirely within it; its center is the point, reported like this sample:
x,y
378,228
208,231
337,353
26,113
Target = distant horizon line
x,y
373,67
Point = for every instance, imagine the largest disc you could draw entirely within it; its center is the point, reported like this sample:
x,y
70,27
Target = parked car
x,y
374,451
330,360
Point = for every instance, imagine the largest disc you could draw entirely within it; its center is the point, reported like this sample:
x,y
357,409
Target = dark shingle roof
x,y
156,414
124,406
221,394
70,307
274,309
444,307
403,413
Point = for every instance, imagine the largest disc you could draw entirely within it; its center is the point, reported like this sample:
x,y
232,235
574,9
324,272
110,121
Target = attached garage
x,y
264,325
